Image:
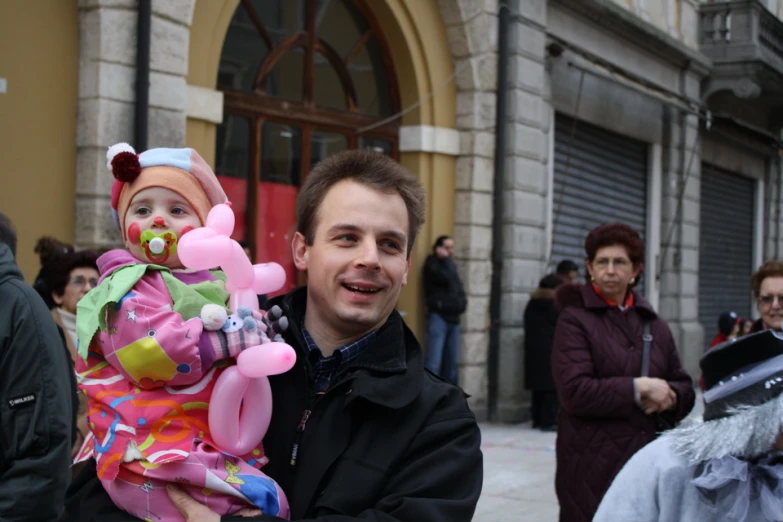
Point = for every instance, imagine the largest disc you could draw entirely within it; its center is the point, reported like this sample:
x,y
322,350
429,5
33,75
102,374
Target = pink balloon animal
x,y
241,404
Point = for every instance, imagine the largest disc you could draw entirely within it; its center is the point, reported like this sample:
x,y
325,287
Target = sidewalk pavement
x,y
519,475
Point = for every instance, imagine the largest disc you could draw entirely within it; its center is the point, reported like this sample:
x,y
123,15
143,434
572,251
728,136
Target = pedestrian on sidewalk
x,y
540,320
612,401
767,286
446,302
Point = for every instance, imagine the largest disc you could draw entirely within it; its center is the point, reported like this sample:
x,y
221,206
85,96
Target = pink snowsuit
x,y
148,377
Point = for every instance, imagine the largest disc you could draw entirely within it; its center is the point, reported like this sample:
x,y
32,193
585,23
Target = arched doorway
x,y
302,79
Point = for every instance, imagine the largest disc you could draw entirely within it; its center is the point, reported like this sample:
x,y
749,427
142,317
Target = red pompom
x,y
125,166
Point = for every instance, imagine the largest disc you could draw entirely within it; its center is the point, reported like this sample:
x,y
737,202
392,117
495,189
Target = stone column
x,y
471,26
679,304
107,79
526,188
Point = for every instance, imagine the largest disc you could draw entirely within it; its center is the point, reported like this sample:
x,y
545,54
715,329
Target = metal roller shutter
x,y
600,177
725,246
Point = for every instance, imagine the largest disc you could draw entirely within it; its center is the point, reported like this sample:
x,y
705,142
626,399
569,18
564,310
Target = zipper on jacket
x,y
299,435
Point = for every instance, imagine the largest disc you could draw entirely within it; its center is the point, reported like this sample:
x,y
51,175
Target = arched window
x,y
302,79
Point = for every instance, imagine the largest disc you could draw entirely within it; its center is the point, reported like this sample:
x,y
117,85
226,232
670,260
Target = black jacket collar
x,y
386,373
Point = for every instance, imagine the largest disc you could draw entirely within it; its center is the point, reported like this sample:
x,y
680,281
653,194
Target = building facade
x,y
659,113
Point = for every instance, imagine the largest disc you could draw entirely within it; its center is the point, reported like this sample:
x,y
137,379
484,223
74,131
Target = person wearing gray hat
x,y
727,465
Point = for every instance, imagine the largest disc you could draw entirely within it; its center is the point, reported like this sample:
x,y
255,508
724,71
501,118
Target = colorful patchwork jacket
x,y
149,370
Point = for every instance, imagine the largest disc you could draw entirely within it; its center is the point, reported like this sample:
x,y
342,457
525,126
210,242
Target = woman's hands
x,y
655,395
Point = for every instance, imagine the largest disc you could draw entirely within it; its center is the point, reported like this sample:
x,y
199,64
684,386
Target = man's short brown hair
x,y
773,268
371,169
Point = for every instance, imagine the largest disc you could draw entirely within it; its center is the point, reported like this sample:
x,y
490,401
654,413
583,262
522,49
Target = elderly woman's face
x,y
612,271
80,281
770,302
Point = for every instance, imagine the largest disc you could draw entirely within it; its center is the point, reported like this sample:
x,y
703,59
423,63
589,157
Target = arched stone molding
x,y
420,49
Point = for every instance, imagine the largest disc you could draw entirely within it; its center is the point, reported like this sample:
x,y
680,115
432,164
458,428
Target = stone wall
x,y
107,79
471,26
525,220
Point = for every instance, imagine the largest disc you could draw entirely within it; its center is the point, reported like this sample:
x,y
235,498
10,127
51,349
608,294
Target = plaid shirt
x,y
325,368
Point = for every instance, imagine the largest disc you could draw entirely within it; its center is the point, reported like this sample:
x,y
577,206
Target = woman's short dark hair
x,y
550,282
620,234
772,268
371,169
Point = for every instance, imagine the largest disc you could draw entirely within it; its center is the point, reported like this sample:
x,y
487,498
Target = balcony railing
x,y
741,31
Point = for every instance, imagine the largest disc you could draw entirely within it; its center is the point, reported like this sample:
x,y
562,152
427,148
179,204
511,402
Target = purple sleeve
x,y
580,391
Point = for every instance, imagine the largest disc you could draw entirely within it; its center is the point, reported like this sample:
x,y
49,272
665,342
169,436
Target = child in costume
x,y
148,362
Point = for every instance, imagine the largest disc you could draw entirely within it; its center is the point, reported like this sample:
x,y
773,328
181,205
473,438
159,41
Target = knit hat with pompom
x,y
183,171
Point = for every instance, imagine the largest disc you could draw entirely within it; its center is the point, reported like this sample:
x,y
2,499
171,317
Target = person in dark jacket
x,y
35,403
359,429
445,303
608,410
540,321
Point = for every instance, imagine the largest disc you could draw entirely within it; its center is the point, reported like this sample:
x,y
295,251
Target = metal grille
x,y
725,246
600,177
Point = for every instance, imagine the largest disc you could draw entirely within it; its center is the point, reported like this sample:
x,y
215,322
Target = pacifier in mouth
x,y
158,247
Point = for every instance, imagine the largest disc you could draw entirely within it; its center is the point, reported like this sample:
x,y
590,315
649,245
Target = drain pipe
x,y
493,359
143,31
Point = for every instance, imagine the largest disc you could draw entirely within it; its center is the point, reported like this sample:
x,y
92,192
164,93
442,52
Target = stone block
x,y
477,72
473,379
689,24
478,275
524,208
528,108
528,41
94,224
169,47
534,11
92,4
474,143
108,35
476,111
690,235
474,346
524,241
690,212
528,142
521,275
472,241
690,345
178,11
107,80
512,312
166,128
460,11
102,123
475,173
526,74
668,308
482,32
168,91
458,41
689,308
92,176
526,175
476,317
478,206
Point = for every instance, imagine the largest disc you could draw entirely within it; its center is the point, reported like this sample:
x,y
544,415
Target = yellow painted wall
x,y
422,62
39,58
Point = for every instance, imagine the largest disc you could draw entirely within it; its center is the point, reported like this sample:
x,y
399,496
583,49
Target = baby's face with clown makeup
x,y
155,221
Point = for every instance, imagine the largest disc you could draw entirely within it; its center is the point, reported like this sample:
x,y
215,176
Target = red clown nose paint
x,y
159,221
134,233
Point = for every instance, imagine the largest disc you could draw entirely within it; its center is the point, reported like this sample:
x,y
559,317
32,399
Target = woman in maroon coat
x,y
607,411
